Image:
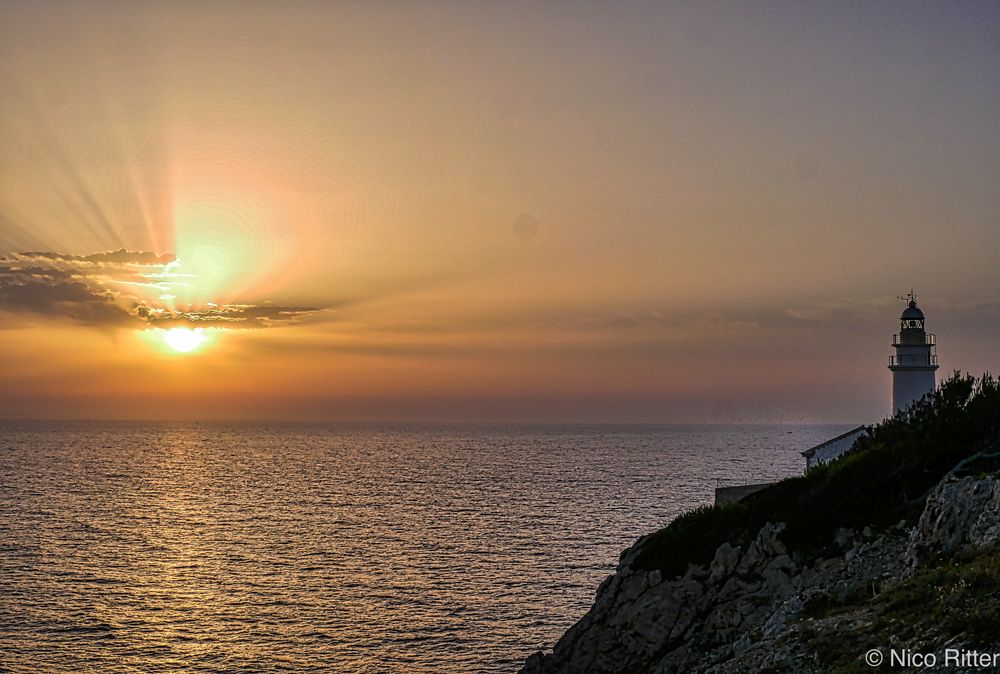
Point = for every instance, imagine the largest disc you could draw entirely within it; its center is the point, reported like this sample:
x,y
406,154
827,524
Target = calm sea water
x,y
346,548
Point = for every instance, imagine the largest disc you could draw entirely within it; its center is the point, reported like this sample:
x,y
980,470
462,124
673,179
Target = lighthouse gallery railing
x,y
913,361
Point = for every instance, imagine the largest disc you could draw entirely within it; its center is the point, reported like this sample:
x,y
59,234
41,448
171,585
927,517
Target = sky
x,y
537,212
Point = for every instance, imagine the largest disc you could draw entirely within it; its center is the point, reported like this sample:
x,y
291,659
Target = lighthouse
x,y
915,360
912,366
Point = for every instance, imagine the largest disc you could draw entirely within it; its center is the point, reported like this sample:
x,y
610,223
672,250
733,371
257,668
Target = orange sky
x,y
445,211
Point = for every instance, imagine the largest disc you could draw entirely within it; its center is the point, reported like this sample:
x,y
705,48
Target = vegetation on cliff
x,y
885,478
952,599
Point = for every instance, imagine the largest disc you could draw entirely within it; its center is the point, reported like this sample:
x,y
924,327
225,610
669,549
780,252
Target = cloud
x,y
227,315
113,257
48,296
99,290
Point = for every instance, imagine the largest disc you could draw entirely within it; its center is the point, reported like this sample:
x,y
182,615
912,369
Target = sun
x,y
180,341
184,340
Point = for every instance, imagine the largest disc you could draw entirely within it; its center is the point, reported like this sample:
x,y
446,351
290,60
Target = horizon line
x,y
404,422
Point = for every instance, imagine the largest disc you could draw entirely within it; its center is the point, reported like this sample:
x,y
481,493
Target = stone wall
x,y
724,495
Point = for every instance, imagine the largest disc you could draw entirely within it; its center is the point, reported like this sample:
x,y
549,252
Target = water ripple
x,y
348,548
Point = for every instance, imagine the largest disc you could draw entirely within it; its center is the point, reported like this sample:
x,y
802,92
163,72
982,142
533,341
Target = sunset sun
x,y
184,340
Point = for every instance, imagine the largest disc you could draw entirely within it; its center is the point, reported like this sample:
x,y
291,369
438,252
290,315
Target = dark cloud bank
x,y
87,289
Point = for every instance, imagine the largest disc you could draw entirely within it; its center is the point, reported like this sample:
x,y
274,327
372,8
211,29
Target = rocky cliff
x,y
761,607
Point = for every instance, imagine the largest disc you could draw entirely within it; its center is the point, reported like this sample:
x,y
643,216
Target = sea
x,y
206,547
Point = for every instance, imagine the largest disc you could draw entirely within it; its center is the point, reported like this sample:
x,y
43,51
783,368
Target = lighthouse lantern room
x,y
915,360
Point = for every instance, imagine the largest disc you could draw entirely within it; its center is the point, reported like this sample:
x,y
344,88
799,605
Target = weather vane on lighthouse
x,y
915,360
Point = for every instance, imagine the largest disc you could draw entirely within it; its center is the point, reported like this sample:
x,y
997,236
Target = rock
x,y
764,547
632,587
533,663
783,562
724,562
844,537
779,584
776,624
959,512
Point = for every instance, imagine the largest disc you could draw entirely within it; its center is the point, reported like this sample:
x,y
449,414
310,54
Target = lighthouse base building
x,y
831,449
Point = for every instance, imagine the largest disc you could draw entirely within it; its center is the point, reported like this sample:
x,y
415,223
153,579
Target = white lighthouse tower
x,y
915,360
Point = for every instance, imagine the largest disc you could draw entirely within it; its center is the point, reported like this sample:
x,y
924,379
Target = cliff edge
x,y
894,547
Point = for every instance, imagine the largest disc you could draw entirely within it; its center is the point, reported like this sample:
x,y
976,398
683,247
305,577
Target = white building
x,y
831,449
